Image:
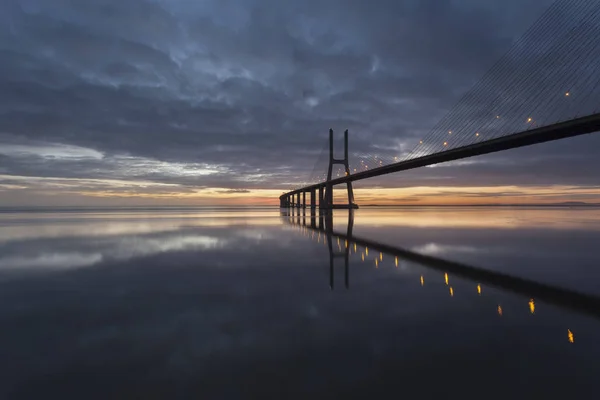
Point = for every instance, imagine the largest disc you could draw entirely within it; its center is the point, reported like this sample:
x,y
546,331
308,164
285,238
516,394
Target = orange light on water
x,y
532,306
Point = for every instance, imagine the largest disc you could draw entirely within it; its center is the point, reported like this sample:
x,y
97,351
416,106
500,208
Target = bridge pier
x,y
303,199
321,199
313,199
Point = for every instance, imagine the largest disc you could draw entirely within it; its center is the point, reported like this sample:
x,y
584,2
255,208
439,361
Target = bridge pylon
x,y
327,199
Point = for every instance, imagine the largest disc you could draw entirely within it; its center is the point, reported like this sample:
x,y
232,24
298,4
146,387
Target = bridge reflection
x,y
319,225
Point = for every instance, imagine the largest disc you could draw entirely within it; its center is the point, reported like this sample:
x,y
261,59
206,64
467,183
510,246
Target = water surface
x,y
244,303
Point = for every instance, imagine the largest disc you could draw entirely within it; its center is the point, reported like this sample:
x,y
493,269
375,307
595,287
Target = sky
x,y
181,102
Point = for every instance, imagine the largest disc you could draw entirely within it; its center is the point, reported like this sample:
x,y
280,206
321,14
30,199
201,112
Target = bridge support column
x,y
328,196
303,199
313,198
328,199
298,200
321,198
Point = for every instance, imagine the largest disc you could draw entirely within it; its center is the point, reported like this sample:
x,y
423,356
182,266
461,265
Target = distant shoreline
x,y
487,205
4,209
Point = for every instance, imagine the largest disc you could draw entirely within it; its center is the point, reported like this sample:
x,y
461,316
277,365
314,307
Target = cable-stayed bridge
x,y
546,87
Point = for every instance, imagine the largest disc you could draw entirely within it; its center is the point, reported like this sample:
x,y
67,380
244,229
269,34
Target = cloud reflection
x,y
435,248
50,261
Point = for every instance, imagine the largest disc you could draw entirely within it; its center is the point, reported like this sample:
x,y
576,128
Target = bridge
x,y
545,88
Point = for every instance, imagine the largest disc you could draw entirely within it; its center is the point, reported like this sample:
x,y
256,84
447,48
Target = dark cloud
x,y
230,191
240,94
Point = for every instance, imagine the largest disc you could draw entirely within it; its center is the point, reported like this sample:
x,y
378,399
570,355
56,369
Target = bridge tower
x,y
328,195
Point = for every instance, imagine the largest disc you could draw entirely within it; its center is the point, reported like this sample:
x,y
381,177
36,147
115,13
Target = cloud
x,y
239,95
232,191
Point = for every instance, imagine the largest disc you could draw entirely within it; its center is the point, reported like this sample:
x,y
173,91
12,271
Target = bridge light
x,y
570,336
451,292
420,142
449,132
567,94
422,280
499,310
478,289
477,134
446,277
395,158
354,169
445,143
497,117
529,119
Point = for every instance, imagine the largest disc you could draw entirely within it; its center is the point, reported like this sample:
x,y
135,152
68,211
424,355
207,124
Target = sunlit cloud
x,y
50,151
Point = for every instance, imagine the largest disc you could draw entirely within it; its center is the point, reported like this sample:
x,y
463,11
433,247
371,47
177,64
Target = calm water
x,y
243,303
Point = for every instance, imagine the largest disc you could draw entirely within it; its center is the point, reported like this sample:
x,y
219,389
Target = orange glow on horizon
x,y
91,192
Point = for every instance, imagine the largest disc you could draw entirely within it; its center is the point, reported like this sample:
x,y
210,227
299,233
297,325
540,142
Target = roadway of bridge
x,y
561,130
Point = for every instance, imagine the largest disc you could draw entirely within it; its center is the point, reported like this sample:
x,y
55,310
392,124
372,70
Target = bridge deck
x,y
561,130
